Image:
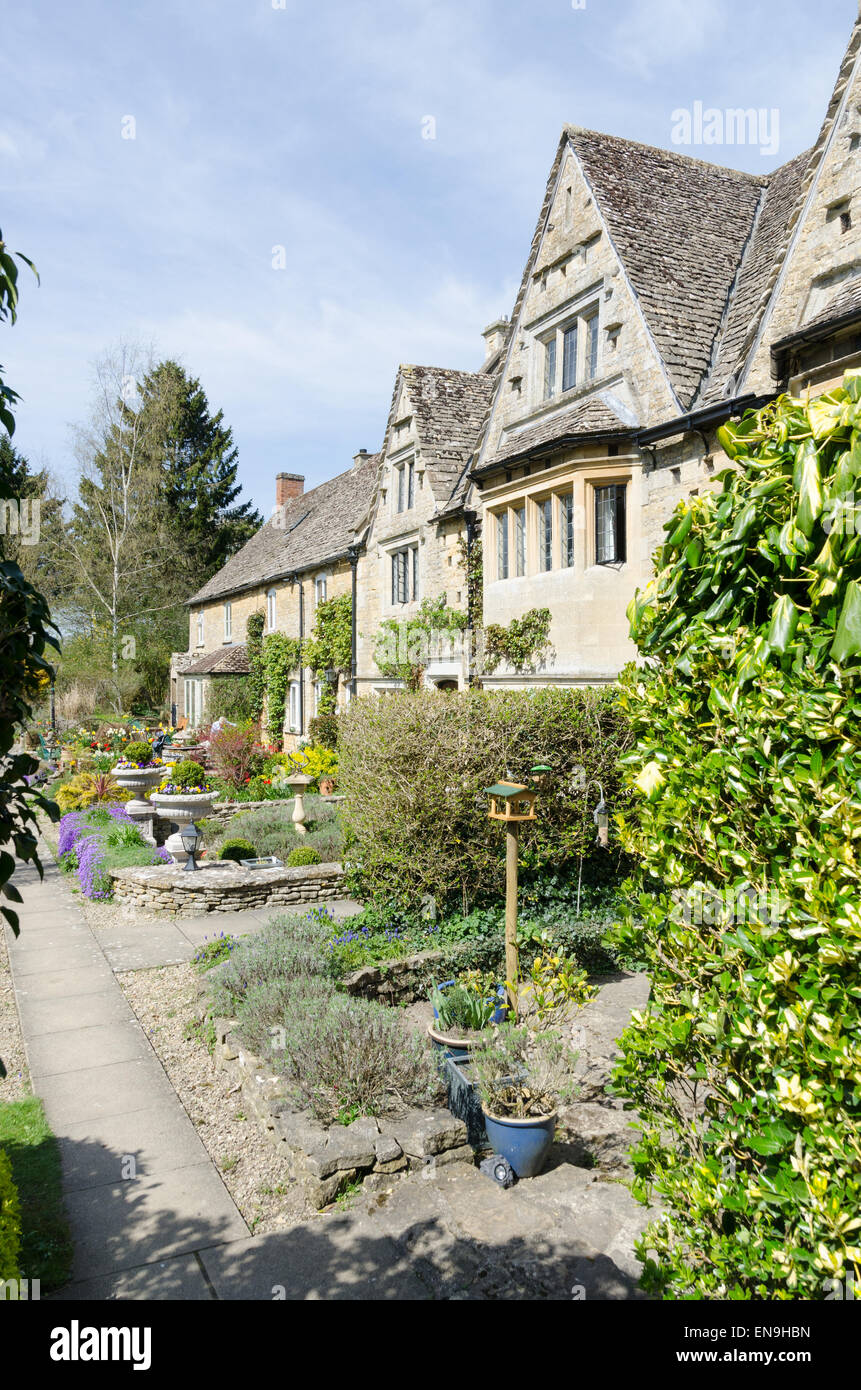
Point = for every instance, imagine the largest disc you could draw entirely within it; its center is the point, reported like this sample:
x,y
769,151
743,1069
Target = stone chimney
x,y
495,334
362,456
287,487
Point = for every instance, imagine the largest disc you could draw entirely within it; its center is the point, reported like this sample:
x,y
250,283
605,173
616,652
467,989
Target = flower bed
x,y
94,842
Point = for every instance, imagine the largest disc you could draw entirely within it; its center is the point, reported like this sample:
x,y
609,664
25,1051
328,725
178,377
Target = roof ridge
x,y
687,160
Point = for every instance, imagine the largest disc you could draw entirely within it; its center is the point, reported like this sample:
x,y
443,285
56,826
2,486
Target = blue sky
x,y
266,123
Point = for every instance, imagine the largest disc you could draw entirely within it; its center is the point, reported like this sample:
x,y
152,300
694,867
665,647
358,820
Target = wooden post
x,y
511,956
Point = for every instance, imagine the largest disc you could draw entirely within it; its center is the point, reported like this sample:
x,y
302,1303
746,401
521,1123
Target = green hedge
x,y
237,849
10,1222
413,768
747,769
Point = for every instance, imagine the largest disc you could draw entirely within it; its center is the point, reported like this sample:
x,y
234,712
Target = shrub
x,y
140,752
323,730
287,948
744,1067
237,849
314,761
235,753
521,1074
344,1057
413,769
461,1008
186,775
231,697
10,1222
304,854
87,788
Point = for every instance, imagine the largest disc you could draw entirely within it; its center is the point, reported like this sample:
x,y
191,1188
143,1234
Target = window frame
x,y
570,348
271,609
404,571
619,522
228,621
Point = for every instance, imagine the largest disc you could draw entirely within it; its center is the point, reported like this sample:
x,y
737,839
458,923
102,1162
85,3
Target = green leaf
x,y
810,497
784,620
847,639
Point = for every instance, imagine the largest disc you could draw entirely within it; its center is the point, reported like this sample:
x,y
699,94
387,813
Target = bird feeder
x,y
513,803
540,774
602,819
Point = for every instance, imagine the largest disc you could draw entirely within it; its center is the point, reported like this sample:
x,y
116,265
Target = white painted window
x,y
319,689
228,621
200,628
320,589
293,707
271,604
193,702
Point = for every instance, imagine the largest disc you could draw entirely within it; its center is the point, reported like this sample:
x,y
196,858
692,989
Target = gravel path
x,y
167,1003
16,1084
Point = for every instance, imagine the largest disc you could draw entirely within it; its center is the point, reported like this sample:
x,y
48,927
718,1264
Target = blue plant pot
x,y
500,1014
525,1143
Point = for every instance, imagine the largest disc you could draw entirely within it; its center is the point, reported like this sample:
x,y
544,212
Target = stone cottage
x,y
307,552
662,296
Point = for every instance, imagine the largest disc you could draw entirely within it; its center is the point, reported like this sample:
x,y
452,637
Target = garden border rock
x,y
328,1161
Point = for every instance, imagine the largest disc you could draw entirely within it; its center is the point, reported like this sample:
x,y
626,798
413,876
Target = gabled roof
x,y
845,305
308,533
448,407
755,277
589,419
680,227
227,661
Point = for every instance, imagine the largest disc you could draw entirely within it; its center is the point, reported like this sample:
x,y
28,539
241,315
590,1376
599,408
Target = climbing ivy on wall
x,y
256,671
523,644
402,648
330,645
280,657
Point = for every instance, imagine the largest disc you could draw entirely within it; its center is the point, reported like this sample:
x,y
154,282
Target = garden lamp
x,y
191,838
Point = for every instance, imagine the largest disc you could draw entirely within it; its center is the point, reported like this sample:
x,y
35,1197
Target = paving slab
x,y
144,948
65,984
332,1258
57,1015
52,960
96,1153
81,1049
114,1089
131,1223
177,1279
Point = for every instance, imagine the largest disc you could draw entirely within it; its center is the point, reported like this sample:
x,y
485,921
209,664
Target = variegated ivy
x,y
746,707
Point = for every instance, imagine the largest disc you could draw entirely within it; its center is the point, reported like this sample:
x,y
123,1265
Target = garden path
x,y
152,1219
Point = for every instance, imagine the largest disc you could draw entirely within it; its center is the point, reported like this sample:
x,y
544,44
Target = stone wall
x,y
325,1161
395,981
226,887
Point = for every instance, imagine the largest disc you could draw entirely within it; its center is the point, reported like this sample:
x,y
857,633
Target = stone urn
x,y
179,808
137,781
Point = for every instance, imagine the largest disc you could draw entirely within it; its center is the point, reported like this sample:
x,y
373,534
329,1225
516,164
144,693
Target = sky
x,y
293,198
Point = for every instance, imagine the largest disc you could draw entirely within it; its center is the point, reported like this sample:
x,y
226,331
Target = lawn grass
x,y
46,1245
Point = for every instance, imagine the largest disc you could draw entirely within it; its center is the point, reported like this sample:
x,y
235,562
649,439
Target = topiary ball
x,y
237,849
138,753
303,855
187,774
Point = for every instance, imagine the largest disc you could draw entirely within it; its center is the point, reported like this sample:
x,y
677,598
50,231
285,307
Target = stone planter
x,y
137,781
180,808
